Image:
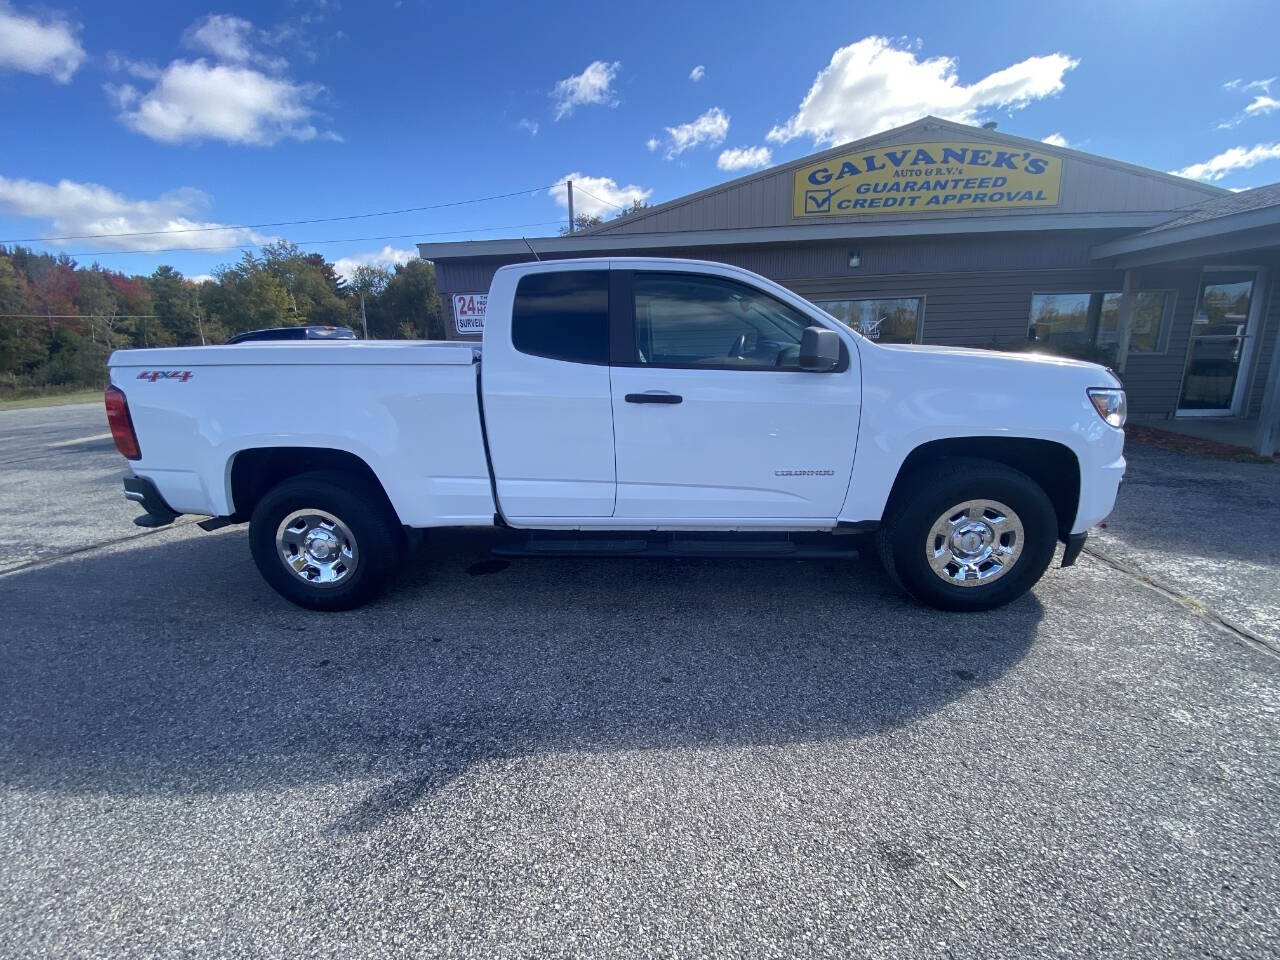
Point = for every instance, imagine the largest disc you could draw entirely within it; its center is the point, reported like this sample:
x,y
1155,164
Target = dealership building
x,y
937,232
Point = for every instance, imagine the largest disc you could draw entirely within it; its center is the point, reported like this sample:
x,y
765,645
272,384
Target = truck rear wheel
x,y
968,535
325,542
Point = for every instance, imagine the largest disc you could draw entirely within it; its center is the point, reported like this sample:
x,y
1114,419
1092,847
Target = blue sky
x,y
130,117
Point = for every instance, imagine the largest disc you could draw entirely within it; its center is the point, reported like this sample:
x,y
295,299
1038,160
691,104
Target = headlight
x,y
1110,404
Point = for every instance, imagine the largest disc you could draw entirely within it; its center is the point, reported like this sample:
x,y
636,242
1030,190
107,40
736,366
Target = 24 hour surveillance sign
x,y
468,312
928,178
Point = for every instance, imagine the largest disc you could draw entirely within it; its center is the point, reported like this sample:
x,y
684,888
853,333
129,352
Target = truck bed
x,y
406,408
306,353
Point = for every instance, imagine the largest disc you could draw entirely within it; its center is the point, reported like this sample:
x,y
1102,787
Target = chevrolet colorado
x,y
637,406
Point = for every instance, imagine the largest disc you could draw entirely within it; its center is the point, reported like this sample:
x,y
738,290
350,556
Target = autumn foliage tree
x,y
59,321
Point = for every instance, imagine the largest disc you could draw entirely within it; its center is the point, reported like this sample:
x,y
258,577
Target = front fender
x,y
914,396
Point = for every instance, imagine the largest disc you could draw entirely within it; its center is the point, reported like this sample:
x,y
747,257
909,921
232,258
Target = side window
x,y
687,320
895,320
563,315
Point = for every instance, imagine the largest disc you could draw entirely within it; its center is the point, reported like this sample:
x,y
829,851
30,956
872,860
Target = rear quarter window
x,y
563,315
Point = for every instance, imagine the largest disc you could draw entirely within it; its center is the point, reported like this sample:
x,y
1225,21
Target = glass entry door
x,y
1220,344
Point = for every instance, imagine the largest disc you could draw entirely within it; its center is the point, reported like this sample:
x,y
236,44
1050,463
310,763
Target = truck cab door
x,y
545,394
715,424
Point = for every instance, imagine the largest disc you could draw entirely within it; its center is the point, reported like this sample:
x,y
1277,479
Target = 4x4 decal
x,y
182,376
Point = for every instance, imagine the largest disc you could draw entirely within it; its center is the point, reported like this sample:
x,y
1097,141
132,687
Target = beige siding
x,y
1088,186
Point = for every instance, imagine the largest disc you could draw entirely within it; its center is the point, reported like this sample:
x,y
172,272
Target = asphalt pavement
x,y
1210,529
616,758
59,483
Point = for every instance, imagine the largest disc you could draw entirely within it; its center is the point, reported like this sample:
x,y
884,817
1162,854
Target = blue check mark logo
x,y
819,201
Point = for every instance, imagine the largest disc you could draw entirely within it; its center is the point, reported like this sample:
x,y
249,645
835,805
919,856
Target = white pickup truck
x,y
633,407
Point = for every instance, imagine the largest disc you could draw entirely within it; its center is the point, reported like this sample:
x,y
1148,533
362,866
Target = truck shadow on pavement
x,y
172,667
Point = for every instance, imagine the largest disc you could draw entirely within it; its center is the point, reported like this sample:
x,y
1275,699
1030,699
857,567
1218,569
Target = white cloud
x,y
1261,104
871,85
1055,140
47,46
388,257
1237,158
596,196
197,100
744,158
201,278
78,209
530,125
697,73
711,128
593,85
241,96
652,144
1243,87
226,37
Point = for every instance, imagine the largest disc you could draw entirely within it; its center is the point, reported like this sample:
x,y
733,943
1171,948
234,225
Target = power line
x,y
578,189
79,316
304,243
286,223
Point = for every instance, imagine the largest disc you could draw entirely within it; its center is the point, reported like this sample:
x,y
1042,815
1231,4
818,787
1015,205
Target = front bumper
x,y
142,491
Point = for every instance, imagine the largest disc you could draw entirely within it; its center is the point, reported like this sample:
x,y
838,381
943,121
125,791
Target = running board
x,y
724,548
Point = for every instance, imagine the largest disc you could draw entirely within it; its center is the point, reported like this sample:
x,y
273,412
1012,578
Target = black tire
x,y
360,508
921,501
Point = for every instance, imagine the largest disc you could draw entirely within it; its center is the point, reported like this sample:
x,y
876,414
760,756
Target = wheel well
x,y
257,470
1052,465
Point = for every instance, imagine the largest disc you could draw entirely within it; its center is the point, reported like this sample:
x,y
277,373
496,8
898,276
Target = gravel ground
x,y
621,758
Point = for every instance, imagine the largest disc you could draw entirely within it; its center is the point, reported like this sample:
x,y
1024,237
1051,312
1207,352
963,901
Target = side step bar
x,y
721,548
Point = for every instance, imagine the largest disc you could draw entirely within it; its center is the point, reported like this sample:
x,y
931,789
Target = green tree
x,y
22,340
174,300
96,302
247,296
409,307
312,285
581,222
631,211
369,279
73,361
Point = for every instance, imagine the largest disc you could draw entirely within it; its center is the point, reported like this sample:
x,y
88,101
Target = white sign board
x,y
468,312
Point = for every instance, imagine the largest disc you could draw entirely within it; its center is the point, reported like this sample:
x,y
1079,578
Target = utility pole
x,y
199,322
570,186
363,319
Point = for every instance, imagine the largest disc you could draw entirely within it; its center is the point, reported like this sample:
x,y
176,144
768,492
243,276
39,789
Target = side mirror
x,y
819,349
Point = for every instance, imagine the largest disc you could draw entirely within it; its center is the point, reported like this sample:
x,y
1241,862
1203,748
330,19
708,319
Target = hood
x,y
1047,359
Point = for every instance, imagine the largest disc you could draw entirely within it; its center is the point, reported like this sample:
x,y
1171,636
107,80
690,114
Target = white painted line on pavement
x,y
72,443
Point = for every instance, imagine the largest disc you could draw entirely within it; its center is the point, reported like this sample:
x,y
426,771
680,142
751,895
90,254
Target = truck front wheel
x,y
324,542
968,535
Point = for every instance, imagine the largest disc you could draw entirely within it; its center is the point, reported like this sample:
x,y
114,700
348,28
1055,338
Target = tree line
x,y
59,321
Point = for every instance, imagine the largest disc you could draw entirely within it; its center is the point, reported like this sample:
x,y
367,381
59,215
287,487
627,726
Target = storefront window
x,y
1084,324
894,320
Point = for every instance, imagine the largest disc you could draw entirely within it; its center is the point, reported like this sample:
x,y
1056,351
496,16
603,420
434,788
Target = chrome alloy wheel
x,y
974,543
317,547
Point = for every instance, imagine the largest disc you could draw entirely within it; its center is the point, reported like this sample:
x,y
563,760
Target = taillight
x,y
121,423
